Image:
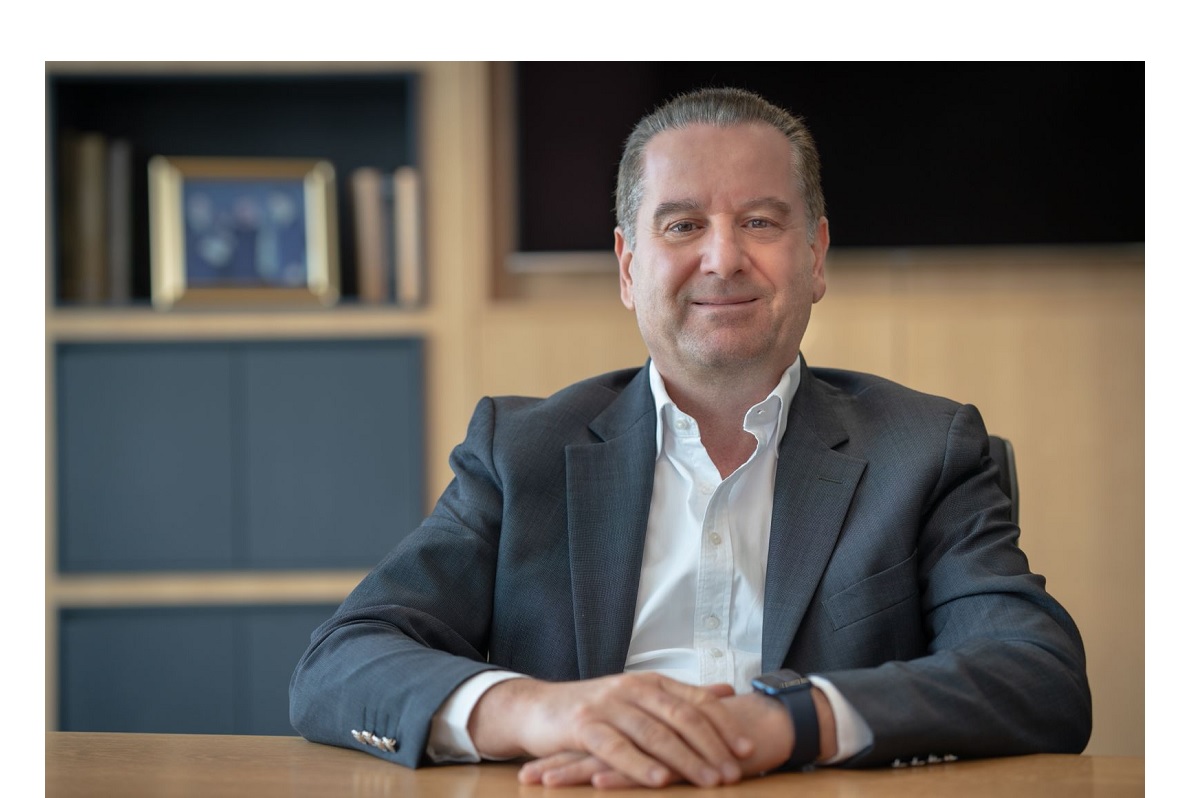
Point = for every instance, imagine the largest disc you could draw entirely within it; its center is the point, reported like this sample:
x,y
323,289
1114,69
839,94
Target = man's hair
x,y
722,107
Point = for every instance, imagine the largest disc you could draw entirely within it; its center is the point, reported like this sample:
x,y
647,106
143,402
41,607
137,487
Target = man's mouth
x,y
724,301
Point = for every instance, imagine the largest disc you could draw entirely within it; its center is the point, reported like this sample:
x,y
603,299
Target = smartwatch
x,y
795,691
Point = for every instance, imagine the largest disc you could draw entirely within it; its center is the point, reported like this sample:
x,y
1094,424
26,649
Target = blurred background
x,y
225,464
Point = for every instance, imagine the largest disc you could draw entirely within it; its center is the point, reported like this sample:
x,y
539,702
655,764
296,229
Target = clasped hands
x,y
631,729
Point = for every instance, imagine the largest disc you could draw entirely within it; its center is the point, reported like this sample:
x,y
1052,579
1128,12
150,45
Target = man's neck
x,y
721,395
719,406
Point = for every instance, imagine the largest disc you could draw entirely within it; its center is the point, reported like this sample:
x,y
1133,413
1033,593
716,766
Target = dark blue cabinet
x,y
333,452
145,450
242,455
187,670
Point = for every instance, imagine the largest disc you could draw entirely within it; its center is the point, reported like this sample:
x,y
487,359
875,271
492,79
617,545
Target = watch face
x,y
780,682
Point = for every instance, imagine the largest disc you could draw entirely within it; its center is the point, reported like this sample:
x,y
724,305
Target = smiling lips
x,y
718,302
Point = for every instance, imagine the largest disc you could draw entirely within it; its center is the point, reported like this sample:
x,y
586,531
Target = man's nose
x,y
724,255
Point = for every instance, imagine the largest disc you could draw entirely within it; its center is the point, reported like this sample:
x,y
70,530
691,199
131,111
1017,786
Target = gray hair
x,y
723,108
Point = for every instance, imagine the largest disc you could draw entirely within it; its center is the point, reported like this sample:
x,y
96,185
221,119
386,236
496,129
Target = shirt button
x,y
714,539
712,622
682,423
716,653
706,488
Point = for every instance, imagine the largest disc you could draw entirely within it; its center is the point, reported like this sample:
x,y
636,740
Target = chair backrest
x,y
1001,450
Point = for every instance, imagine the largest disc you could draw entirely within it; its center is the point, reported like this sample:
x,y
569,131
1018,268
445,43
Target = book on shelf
x,y
369,208
410,283
83,166
119,221
386,209
94,224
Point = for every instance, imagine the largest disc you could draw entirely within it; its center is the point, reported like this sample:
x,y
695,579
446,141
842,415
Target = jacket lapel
x,y
813,488
609,484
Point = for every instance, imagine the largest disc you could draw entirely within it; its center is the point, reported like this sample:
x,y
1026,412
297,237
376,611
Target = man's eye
x,y
760,224
681,227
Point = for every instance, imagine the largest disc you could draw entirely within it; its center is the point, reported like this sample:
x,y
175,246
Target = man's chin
x,y
732,359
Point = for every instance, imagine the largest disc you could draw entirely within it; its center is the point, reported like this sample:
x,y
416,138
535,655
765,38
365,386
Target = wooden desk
x,y
214,766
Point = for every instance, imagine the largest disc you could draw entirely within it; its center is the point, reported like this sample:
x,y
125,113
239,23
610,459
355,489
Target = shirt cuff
x,y
853,733
449,740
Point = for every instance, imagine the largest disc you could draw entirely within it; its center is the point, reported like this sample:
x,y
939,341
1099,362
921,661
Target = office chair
x,y
1001,450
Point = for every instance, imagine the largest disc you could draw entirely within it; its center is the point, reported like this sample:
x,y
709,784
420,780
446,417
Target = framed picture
x,y
227,231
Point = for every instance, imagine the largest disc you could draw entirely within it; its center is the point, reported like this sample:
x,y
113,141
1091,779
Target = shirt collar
x,y
784,392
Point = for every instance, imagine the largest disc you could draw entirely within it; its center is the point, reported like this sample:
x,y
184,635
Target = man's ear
x,y
820,248
624,259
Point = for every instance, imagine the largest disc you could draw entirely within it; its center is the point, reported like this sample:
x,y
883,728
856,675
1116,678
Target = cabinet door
x,y
334,451
304,454
147,670
184,670
145,455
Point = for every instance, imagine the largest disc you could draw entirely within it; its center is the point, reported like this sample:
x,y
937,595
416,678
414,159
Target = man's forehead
x,y
745,163
697,134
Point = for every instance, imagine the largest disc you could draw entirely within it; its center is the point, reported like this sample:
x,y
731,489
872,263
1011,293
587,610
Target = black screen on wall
x,y
913,154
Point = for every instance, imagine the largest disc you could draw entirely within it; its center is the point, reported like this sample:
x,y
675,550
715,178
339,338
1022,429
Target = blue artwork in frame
x,y
245,232
237,231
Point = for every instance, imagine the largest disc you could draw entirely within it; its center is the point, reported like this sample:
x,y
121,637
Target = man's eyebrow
x,y
774,203
672,207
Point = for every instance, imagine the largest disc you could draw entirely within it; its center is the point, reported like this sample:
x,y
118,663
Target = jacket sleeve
x,y
416,627
1004,671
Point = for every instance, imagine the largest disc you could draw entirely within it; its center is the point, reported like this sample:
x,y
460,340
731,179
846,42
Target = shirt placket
x,y
714,577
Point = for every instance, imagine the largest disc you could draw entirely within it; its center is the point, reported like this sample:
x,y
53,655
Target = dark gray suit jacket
x,y
892,571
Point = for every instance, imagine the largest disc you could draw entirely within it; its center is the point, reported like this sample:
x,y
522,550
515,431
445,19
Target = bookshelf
x,y
170,546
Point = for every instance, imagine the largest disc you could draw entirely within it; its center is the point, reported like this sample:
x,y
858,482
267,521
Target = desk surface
x,y
214,766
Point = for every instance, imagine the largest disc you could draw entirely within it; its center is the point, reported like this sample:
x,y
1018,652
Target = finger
x,y
532,772
706,700
637,728
608,779
596,716
576,764
616,749
701,721
696,754
667,729
580,771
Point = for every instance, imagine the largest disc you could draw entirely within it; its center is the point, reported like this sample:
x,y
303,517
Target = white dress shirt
x,y
699,612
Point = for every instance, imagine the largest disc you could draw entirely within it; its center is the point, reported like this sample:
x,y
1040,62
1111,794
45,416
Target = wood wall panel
x,y
538,352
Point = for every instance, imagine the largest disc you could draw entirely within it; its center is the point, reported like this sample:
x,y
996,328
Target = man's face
x,y
723,276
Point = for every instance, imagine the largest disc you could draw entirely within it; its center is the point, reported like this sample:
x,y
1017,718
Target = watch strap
x,y
803,711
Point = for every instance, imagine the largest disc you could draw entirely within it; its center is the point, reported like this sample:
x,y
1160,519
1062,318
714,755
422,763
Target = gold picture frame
x,y
239,231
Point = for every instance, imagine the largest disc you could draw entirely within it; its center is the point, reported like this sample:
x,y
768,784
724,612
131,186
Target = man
x,y
722,563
